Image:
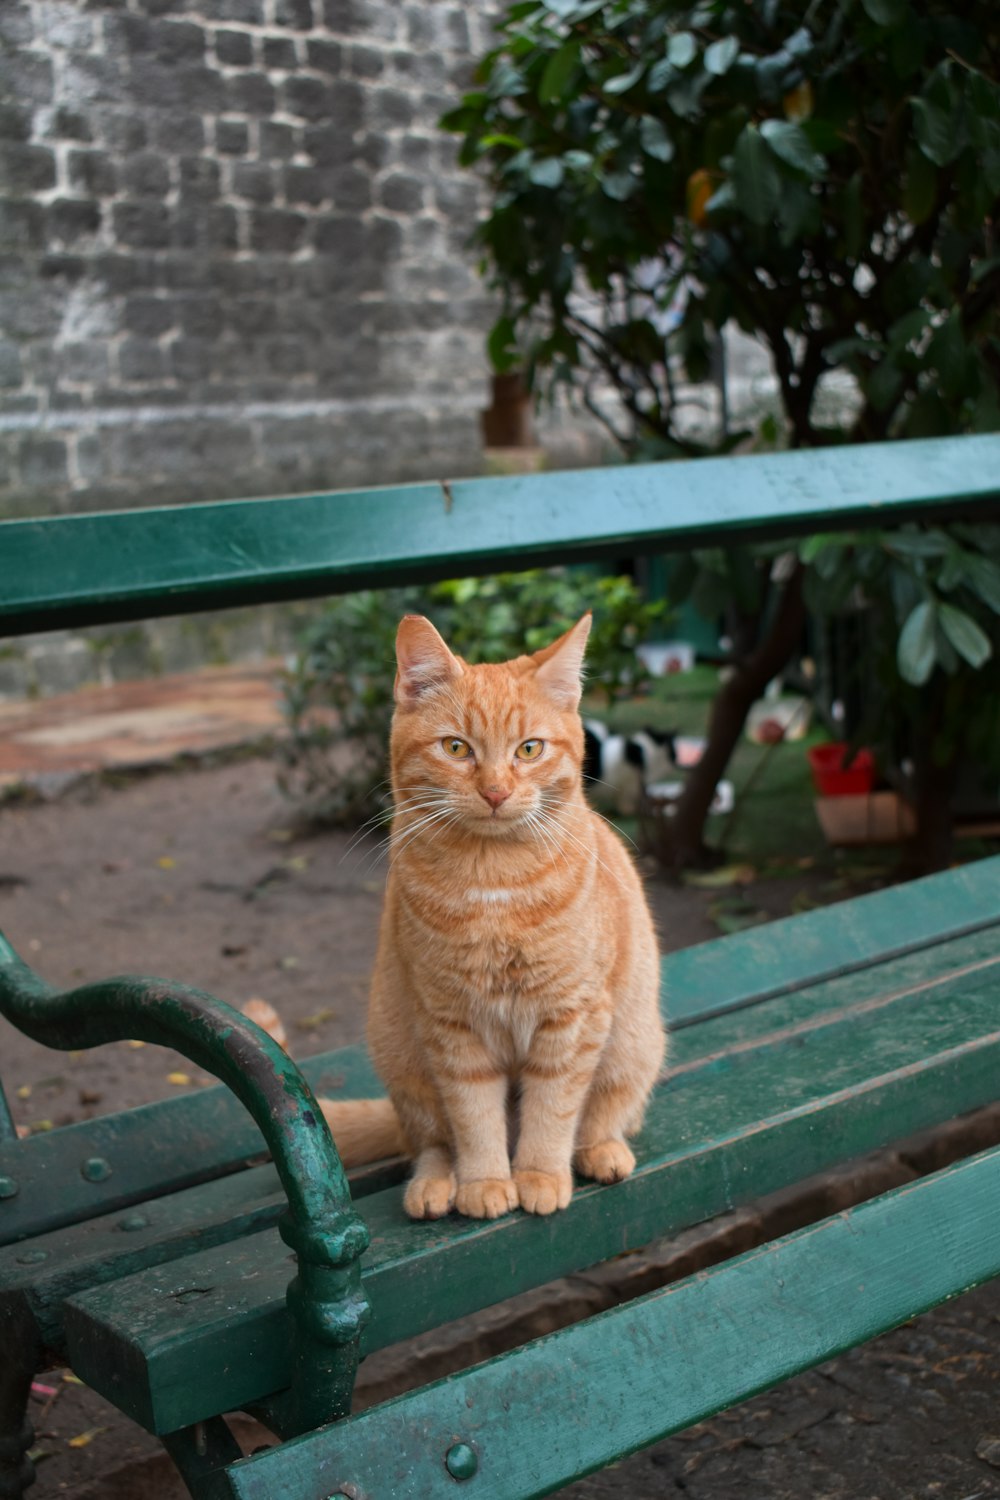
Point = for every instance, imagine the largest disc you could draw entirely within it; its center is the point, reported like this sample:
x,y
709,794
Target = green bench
x,y
155,1255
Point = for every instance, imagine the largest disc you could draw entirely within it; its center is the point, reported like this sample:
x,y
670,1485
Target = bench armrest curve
x,y
328,1306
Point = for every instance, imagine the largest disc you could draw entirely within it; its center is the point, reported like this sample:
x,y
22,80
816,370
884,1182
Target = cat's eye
x,y
456,748
530,750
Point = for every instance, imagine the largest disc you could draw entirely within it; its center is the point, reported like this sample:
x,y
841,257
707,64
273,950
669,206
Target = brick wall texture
x,y
233,249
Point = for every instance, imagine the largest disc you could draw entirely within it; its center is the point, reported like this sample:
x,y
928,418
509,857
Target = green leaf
x,y
885,12
908,328
501,345
884,384
915,652
949,353
654,139
914,543
984,268
620,185
940,132
720,56
919,187
811,548
622,82
842,351
681,49
969,640
547,173
501,140
558,74
984,576
791,144
756,180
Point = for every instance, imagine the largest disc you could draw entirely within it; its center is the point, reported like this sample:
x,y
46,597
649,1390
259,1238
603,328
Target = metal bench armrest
x,y
320,1225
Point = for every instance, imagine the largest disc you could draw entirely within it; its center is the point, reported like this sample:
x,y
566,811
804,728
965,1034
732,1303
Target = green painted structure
x,y
182,1282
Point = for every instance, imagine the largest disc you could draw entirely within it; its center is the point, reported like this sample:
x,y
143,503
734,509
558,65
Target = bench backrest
x,y
129,565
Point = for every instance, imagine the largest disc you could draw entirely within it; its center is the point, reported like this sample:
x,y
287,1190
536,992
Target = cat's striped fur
x,y
515,999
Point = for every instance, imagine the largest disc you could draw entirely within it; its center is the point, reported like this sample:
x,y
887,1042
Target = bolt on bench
x,y
181,1281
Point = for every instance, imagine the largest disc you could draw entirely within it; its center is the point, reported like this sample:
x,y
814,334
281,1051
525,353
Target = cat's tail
x,y
364,1130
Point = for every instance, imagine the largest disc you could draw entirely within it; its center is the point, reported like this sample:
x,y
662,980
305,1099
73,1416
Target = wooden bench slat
x,y
727,1032
619,1381
748,967
833,1093
92,569
184,1140
189,1138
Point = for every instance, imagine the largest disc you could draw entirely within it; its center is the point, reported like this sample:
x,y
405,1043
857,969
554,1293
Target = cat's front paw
x,y
543,1192
429,1197
608,1161
487,1198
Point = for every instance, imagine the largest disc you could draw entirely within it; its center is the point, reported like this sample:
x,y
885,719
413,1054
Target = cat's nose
x,y
494,795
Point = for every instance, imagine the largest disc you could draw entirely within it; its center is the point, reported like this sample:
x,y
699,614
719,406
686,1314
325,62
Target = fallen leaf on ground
x,y
307,1023
735,915
83,1438
181,1079
135,1043
24,1092
804,901
166,863
725,875
988,1449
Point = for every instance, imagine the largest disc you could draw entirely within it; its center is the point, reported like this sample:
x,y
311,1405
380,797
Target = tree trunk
x,y
933,845
680,839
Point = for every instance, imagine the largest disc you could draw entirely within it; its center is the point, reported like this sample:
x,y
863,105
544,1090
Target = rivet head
x,y
133,1221
96,1169
8,1187
460,1461
32,1257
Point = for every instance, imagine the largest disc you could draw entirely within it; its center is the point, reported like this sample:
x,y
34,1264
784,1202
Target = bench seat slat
x,y
154,1149
827,1095
92,569
748,967
619,1381
187,1139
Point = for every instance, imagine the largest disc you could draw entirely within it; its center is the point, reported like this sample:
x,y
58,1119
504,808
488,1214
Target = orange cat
x,y
517,963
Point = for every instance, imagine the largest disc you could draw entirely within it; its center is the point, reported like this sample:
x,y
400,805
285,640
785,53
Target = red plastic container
x,y
833,778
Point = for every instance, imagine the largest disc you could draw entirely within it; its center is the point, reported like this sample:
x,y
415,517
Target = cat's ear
x,y
559,667
423,661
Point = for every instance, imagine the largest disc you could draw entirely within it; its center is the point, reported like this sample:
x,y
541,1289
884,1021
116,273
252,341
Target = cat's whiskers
x,y
399,841
385,845
441,828
537,826
381,817
560,830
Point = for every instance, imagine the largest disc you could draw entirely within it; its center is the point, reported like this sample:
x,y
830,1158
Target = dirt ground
x,y
201,875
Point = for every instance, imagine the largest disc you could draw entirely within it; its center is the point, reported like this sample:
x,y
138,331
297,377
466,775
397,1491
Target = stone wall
x,y
234,249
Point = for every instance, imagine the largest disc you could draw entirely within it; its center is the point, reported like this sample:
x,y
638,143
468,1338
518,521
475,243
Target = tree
x,y
827,176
